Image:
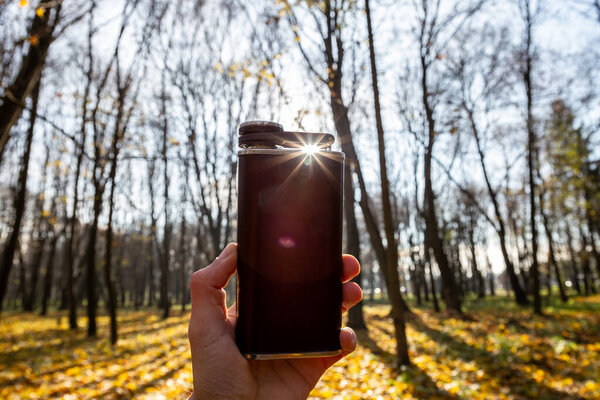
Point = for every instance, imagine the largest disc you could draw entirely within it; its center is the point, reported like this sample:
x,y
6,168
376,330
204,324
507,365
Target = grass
x,y
499,352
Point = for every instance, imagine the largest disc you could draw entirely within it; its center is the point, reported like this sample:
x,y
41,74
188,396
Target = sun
x,y
310,149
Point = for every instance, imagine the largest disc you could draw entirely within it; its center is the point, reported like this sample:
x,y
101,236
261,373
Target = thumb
x,y
206,289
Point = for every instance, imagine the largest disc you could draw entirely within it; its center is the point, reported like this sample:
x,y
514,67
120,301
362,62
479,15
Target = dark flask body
x,y
289,253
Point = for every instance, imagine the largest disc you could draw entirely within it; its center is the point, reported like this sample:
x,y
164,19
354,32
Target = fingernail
x,y
351,332
226,251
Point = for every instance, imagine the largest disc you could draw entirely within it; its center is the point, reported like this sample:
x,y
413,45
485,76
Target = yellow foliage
x,y
497,354
40,12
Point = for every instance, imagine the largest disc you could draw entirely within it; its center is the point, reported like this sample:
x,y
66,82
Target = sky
x,y
563,30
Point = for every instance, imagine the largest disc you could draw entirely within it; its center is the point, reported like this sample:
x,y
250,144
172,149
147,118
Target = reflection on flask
x,y
287,241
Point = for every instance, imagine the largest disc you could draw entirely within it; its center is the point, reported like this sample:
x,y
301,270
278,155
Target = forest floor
x,y
499,352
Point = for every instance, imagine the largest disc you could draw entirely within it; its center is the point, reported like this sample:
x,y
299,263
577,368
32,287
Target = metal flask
x,y
289,228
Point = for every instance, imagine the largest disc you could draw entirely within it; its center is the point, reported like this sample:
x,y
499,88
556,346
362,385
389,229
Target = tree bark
x,y
391,266
30,71
10,247
573,262
520,296
110,285
475,272
183,287
49,274
356,318
531,156
69,257
436,306
491,276
551,254
90,260
588,286
153,240
422,278
36,261
342,126
164,276
114,153
449,288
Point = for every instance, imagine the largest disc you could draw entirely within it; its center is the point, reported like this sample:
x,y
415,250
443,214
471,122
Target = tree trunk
x,y
491,276
110,285
520,296
49,275
449,289
150,258
573,262
22,273
371,279
153,240
69,257
183,287
112,296
436,305
30,293
90,262
416,284
356,318
595,250
29,74
477,275
423,279
551,255
415,271
531,156
342,125
458,268
588,283
391,266
10,247
164,276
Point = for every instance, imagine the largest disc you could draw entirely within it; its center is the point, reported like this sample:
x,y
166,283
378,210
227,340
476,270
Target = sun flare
x,y
310,149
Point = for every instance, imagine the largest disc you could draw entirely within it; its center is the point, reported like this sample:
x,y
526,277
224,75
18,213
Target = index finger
x,y
350,267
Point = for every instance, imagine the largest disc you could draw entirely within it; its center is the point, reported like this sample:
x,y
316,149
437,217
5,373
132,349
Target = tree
x,y
54,233
71,245
121,123
99,120
477,103
552,261
165,303
330,20
527,55
434,31
8,253
38,239
391,266
40,38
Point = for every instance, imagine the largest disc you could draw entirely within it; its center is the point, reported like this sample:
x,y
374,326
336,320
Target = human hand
x,y
219,369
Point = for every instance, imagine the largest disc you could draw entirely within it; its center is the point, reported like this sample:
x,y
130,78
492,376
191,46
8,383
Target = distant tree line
x,y
466,133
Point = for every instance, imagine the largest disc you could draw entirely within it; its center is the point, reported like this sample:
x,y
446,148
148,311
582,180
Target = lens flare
x,y
287,242
310,149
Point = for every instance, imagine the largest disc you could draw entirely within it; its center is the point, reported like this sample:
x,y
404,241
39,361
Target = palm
x,y
274,379
220,371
